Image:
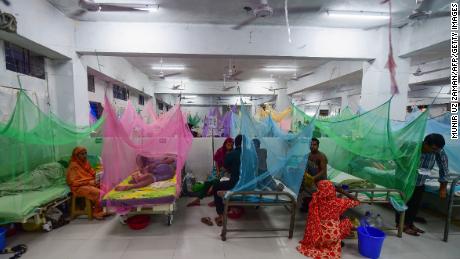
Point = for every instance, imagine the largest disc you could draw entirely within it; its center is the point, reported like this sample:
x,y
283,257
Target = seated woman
x,y
150,170
325,230
219,160
81,179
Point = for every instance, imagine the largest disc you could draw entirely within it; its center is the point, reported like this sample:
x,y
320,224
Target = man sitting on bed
x,y
432,151
150,170
315,171
267,183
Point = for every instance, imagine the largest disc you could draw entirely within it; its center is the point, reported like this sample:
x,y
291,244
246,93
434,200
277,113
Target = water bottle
x,y
365,219
378,221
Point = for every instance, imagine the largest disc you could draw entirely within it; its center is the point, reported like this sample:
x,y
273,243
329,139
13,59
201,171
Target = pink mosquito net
x,y
132,145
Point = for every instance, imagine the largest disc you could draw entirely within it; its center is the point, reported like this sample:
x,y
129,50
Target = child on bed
x,y
150,170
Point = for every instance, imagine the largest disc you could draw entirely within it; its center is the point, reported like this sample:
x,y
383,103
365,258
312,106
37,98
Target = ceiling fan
x,y
275,89
422,11
262,9
162,75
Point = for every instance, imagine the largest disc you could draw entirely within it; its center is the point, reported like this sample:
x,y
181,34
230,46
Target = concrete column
x,y
376,84
282,99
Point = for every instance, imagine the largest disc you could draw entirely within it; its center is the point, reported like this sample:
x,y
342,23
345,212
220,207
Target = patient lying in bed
x,y
150,170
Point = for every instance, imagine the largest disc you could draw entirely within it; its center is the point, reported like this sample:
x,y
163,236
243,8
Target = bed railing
x,y
452,202
242,199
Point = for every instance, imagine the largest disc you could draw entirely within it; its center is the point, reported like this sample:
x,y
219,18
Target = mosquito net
x,y
156,150
227,120
211,122
271,159
365,146
32,141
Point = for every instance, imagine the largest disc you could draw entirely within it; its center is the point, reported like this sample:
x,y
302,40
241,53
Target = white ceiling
x,y
213,68
231,12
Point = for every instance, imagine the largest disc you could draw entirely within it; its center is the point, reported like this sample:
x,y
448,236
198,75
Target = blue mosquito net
x,y
271,159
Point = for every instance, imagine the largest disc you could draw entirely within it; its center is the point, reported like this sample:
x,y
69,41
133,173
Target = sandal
x,y
219,221
410,231
207,221
416,229
194,203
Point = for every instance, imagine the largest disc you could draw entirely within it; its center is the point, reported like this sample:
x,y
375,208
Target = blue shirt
x,y
427,161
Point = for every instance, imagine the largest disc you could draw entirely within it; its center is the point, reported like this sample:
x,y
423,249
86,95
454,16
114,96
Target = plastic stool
x,y
75,211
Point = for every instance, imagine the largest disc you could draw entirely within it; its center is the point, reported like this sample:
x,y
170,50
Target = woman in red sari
x,y
325,230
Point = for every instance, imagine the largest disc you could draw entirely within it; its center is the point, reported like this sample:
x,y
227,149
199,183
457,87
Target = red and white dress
x,y
325,229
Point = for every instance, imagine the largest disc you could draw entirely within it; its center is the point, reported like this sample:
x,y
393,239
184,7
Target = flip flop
x,y
418,230
410,231
194,203
207,221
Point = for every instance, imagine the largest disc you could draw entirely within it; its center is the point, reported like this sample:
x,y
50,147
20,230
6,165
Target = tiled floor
x,y
189,238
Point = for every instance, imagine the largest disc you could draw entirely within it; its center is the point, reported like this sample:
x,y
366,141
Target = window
x,y
120,92
96,109
323,112
91,86
141,99
24,61
160,106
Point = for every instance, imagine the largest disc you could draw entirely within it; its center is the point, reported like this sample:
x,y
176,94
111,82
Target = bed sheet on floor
x,y
266,198
163,192
15,208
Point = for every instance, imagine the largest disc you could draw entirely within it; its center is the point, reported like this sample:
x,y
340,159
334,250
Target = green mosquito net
x,y
32,144
366,146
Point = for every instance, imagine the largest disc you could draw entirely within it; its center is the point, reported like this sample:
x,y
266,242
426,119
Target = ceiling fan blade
x,y
117,8
439,14
172,74
425,6
302,75
78,13
297,10
236,73
245,22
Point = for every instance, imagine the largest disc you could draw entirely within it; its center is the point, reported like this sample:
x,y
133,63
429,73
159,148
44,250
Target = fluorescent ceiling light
x,y
170,67
358,15
149,8
280,69
189,96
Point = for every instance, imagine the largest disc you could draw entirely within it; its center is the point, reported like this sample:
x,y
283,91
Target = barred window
x,y
24,61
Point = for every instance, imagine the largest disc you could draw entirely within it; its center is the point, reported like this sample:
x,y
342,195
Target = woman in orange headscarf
x,y
325,230
81,179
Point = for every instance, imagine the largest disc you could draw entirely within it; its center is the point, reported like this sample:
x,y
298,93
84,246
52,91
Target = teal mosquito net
x,y
271,160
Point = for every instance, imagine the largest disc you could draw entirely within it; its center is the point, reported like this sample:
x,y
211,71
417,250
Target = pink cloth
x,y
130,136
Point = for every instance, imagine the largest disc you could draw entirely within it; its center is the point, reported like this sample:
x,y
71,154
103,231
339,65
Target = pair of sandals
x,y
413,230
208,221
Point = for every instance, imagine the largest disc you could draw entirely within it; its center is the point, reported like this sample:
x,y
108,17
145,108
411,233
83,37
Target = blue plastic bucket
x,y
2,238
370,243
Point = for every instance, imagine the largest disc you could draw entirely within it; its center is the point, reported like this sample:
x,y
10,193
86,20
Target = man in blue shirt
x,y
432,152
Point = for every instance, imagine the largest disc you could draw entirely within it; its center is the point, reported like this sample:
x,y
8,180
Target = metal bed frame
x,y
452,202
240,199
167,209
378,200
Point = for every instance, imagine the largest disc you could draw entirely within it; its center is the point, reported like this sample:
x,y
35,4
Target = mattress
x,y
432,185
266,198
15,208
163,192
